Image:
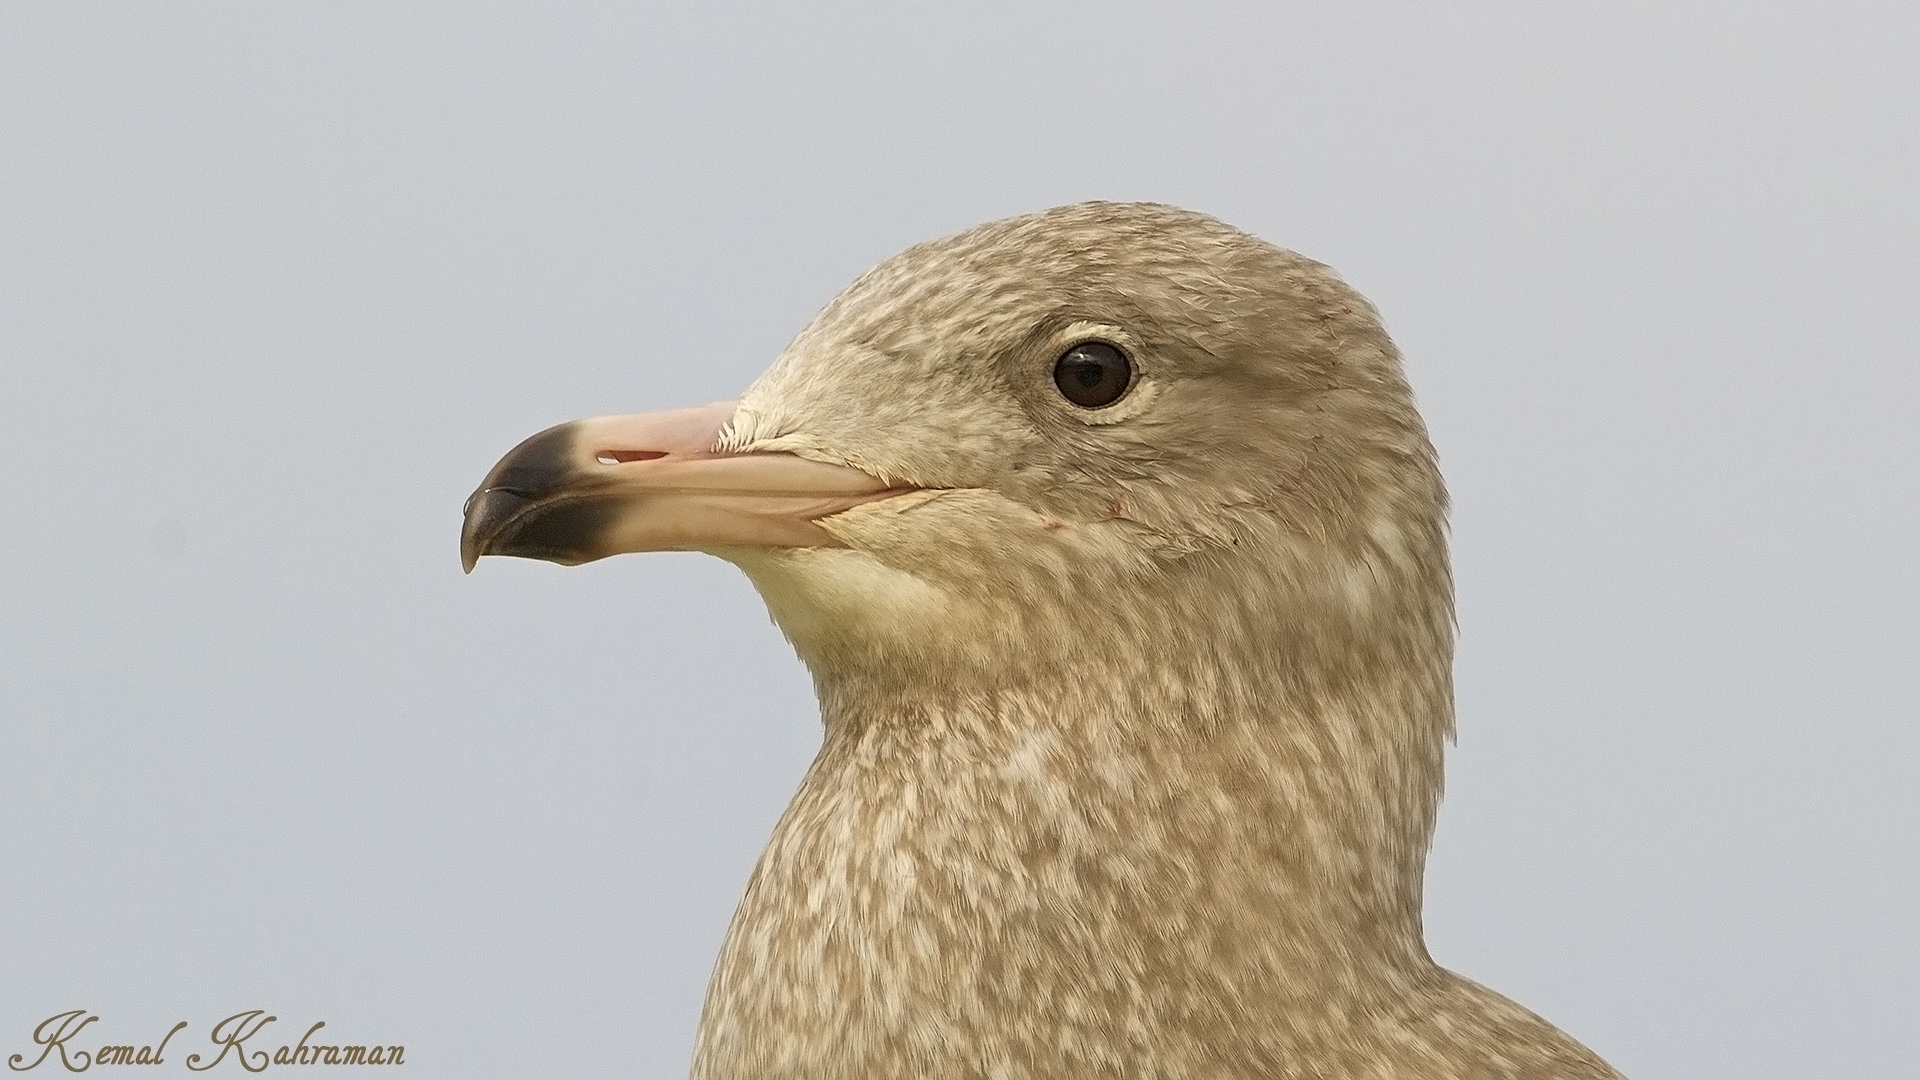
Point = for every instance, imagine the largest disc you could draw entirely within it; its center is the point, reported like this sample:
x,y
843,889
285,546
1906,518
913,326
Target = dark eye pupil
x,y
1092,374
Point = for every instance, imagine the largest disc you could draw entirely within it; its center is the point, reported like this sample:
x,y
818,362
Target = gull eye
x,y
1093,374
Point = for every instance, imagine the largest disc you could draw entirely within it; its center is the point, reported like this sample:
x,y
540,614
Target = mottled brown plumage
x,y
1133,716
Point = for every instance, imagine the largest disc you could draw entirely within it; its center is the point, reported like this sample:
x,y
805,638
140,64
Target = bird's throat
x,y
1063,866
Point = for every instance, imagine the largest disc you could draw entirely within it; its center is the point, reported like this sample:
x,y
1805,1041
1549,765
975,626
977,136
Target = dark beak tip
x,y
470,547
528,505
485,512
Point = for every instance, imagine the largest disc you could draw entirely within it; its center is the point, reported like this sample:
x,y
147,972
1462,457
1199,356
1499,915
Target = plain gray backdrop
x,y
278,283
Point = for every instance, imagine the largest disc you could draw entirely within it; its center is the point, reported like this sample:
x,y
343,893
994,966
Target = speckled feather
x,y
1134,717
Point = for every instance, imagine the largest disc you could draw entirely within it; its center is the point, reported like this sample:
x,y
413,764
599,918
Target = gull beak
x,y
652,482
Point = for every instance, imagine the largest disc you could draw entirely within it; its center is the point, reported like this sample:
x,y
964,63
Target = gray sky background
x,y
279,282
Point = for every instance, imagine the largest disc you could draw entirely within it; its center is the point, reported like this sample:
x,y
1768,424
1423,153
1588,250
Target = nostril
x,y
616,457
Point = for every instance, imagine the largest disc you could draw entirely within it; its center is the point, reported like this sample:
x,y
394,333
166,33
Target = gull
x,y
1116,549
